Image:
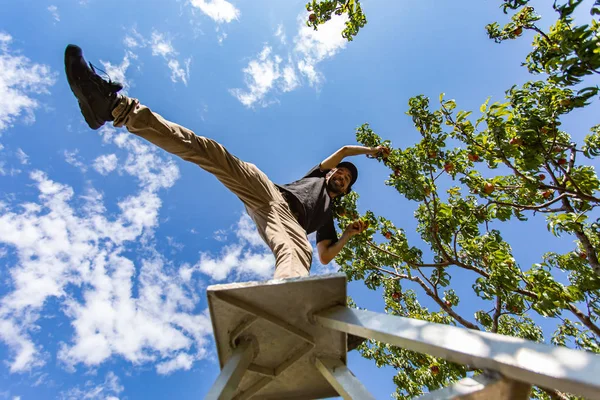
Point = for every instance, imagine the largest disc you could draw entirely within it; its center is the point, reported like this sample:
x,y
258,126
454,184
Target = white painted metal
x,y
342,379
260,313
544,365
482,387
275,313
232,373
463,387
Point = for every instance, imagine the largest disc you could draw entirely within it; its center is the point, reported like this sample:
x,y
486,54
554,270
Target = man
x,y
284,215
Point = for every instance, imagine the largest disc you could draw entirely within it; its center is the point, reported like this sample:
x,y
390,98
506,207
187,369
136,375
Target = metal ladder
x,y
286,339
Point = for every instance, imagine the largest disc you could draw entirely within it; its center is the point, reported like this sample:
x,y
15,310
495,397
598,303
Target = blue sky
x,y
107,244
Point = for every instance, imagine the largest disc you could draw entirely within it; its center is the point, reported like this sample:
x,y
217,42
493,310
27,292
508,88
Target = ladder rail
x,y
539,364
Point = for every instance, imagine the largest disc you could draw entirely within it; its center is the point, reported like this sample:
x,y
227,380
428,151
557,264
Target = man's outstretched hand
x,y
379,151
355,228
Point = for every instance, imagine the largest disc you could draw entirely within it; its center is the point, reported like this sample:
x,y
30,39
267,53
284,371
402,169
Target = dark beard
x,y
333,189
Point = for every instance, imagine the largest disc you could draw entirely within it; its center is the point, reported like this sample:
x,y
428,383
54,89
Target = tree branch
x,y
497,314
538,30
524,207
411,264
555,394
431,294
584,319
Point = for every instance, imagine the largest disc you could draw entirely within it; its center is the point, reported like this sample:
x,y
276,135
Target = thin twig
x,y
497,314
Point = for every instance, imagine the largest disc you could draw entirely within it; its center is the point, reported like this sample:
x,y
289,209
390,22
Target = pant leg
x,y
279,228
274,220
244,179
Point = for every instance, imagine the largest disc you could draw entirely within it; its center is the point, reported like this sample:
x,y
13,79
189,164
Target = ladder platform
x,y
274,316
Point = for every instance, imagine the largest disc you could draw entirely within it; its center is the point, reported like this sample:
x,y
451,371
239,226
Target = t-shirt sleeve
x,y
327,232
316,172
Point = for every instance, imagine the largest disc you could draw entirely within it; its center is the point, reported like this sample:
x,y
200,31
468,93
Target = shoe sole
x,y
73,54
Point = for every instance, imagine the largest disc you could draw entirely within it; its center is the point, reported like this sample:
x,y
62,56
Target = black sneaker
x,y
97,97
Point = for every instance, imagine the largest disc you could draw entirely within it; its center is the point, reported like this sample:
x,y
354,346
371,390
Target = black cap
x,y
353,172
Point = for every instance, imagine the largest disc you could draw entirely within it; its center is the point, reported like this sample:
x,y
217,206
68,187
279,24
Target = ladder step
x,y
482,387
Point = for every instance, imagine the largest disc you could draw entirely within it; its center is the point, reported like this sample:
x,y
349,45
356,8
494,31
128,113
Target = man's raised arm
x,y
333,160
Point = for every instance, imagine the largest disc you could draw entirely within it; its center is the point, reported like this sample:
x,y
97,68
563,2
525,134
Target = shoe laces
x,y
97,79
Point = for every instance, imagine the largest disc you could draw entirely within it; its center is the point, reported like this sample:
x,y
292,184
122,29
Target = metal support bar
x,y
241,328
252,390
256,386
342,379
268,373
482,387
232,373
265,315
539,364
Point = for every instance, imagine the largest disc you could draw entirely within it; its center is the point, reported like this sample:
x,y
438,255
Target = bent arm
x,y
333,160
328,251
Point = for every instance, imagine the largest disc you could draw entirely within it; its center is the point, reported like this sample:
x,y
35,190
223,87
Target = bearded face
x,y
338,181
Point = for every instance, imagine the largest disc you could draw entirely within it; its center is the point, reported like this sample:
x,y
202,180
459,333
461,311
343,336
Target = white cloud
x,y
221,36
290,79
19,80
264,75
178,73
117,72
104,391
182,361
220,235
161,46
5,39
134,39
218,268
218,10
314,46
247,258
174,244
105,163
23,158
280,33
68,248
260,76
54,11
72,158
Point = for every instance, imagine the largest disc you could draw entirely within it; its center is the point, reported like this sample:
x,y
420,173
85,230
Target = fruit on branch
x,y
473,157
489,188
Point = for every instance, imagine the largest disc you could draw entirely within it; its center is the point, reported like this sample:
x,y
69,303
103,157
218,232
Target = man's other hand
x,y
356,227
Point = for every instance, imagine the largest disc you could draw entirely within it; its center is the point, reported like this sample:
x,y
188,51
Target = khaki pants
x,y
275,222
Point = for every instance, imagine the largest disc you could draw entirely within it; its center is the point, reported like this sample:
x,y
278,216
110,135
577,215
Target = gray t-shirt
x,y
312,205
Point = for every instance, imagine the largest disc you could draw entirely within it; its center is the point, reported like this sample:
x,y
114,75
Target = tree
x,y
321,12
535,166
